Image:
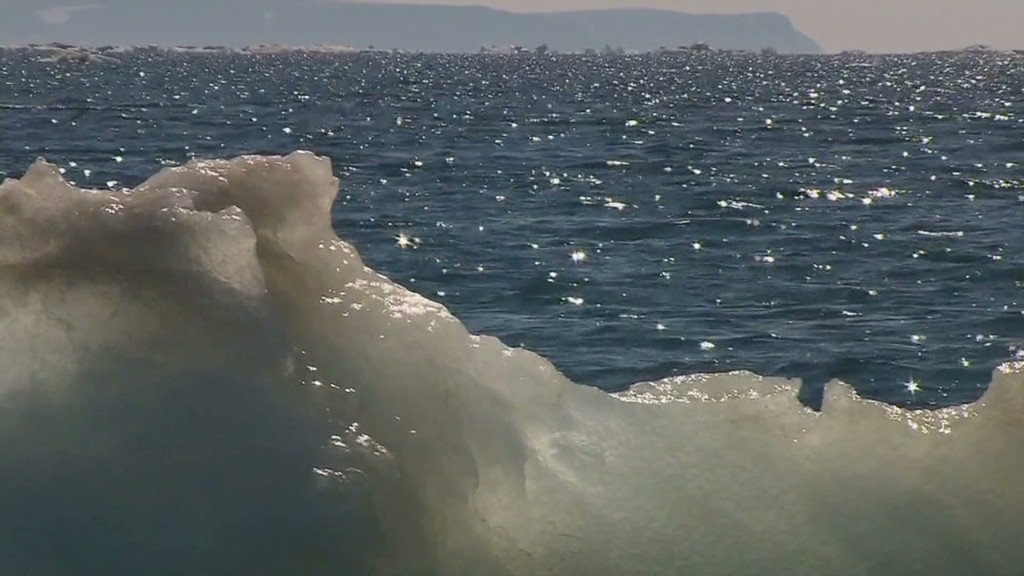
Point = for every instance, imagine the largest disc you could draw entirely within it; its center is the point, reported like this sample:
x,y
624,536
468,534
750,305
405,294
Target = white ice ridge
x,y
198,376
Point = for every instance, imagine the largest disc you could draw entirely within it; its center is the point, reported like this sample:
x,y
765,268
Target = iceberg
x,y
199,376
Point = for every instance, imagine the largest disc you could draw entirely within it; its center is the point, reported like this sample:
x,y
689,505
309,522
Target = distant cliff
x,y
430,28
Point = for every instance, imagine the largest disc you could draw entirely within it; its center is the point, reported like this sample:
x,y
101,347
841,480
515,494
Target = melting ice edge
x,y
199,376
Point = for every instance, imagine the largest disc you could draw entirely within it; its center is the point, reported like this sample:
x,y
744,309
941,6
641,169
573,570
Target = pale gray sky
x,y
875,25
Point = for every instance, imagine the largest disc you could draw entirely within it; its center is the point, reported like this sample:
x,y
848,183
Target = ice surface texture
x,y
200,377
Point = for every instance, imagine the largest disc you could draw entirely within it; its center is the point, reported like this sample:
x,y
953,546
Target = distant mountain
x,y
430,28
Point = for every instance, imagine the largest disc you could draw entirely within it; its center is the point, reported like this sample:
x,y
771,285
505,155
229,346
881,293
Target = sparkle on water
x,y
404,241
820,217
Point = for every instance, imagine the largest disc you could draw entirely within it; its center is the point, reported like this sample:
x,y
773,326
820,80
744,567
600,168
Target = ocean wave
x,y
199,376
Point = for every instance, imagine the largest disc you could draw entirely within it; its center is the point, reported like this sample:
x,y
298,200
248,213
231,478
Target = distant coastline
x,y
409,27
63,52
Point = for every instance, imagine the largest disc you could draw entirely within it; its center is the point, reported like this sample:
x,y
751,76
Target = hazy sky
x,y
875,25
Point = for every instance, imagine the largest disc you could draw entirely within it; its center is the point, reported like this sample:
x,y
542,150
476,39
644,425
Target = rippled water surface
x,y
629,217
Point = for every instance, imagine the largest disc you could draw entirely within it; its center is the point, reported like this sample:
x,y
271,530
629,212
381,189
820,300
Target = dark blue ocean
x,y
632,217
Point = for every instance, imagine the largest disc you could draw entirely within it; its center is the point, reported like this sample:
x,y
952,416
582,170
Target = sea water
x,y
199,376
